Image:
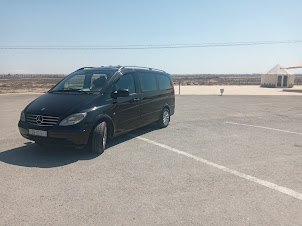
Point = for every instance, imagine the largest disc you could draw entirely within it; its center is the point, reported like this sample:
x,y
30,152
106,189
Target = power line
x,y
166,46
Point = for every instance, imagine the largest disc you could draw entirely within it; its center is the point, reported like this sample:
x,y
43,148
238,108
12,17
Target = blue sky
x,y
156,22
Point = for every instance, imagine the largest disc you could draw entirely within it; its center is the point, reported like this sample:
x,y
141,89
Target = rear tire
x,y
164,118
99,138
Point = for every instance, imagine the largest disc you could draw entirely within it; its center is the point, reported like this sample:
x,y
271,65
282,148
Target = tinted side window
x,y
147,82
126,82
164,82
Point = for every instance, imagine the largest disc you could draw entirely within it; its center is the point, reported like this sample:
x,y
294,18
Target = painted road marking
x,y
264,183
263,127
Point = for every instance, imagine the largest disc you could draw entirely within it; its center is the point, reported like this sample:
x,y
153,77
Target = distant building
x,y
277,77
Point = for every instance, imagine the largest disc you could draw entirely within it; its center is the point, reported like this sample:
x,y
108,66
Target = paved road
x,y
230,160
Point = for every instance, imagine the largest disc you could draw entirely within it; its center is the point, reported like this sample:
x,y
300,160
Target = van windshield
x,y
84,81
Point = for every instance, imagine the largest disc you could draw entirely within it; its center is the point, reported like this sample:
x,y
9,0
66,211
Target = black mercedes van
x,y
94,103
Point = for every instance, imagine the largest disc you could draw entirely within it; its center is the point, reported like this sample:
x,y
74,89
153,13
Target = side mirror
x,y
120,93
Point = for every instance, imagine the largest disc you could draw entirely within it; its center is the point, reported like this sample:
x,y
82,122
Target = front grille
x,y
42,120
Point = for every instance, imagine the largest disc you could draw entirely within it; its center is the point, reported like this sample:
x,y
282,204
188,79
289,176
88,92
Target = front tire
x,y
99,138
164,118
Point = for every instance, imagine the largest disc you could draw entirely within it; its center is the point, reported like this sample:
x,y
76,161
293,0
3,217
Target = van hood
x,y
59,104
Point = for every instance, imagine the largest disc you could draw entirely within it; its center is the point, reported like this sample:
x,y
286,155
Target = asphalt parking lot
x,y
223,160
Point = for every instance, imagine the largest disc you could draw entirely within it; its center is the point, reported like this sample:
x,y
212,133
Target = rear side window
x,y
126,82
147,82
164,82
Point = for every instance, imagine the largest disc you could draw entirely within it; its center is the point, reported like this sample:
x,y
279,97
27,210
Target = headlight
x,y
22,116
72,119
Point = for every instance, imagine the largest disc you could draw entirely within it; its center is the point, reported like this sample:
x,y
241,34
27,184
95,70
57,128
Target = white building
x,y
277,77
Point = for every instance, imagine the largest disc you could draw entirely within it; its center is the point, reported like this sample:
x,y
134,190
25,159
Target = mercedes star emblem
x,y
39,119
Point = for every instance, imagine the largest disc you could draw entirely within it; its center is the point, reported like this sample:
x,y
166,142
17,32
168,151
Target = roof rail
x,y
83,68
149,68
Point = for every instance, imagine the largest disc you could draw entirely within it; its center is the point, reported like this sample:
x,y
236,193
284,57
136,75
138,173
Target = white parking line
x,y
267,184
263,127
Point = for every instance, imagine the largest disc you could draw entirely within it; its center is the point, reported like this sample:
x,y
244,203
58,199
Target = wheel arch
x,y
166,106
110,125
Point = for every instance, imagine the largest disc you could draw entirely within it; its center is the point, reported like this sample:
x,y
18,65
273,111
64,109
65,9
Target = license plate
x,y
39,133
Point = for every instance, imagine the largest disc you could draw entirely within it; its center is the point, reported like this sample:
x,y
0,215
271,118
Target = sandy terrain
x,y
233,90
42,85
25,85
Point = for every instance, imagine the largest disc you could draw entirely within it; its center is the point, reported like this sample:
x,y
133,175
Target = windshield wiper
x,y
87,91
65,90
73,90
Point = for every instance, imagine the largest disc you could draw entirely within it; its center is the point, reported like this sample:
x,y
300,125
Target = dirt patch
x,y
43,84
24,85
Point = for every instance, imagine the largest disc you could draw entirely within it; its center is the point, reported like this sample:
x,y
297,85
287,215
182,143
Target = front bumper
x,y
64,135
